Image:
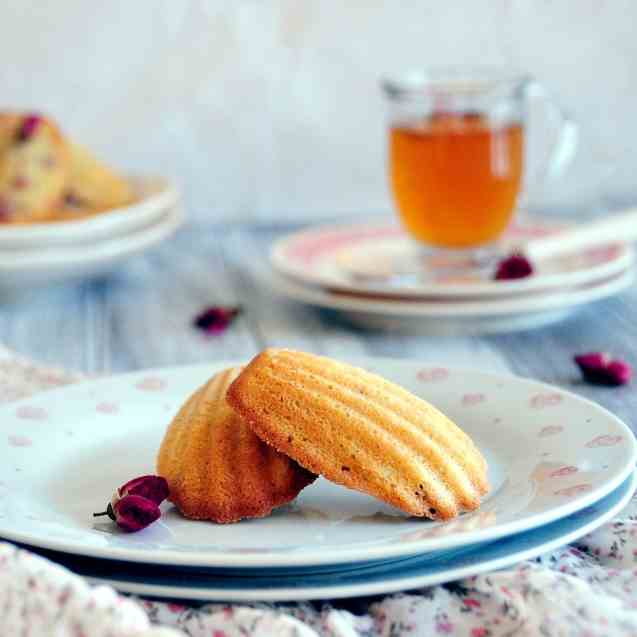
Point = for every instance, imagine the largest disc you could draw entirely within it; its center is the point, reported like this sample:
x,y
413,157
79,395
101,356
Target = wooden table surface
x,y
141,317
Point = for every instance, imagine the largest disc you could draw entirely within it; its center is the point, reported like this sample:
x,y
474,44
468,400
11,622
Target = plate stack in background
x,y
366,272
40,254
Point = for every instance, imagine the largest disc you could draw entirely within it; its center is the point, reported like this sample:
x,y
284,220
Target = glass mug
x,y
457,153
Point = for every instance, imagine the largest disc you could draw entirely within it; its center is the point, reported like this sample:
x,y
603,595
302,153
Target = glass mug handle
x,y
562,148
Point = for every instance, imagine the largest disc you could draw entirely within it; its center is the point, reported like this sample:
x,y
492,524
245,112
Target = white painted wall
x,y
270,108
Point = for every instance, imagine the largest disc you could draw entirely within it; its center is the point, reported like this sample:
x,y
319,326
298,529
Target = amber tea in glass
x,y
456,177
457,154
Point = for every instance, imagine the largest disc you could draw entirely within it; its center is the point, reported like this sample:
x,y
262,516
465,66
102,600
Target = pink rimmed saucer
x,y
378,260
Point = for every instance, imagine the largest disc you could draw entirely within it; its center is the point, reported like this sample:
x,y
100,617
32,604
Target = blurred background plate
x,y
154,197
382,260
26,270
440,317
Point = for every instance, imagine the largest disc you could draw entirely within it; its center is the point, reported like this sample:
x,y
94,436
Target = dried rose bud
x,y
216,319
153,488
28,128
132,512
515,266
599,368
135,504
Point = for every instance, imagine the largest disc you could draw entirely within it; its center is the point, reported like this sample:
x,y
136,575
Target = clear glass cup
x,y
458,163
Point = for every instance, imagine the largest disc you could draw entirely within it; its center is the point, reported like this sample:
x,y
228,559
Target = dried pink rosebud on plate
x,y
135,504
515,266
600,368
216,319
155,488
132,512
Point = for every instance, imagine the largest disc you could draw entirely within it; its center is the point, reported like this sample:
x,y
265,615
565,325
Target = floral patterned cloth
x,y
587,590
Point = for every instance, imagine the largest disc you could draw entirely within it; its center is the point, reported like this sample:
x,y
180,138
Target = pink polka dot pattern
x,y
469,400
576,489
540,401
151,384
435,374
550,430
604,441
28,412
20,441
563,471
20,378
107,408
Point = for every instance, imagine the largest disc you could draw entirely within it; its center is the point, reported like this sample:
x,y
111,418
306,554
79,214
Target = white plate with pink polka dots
x,y
62,454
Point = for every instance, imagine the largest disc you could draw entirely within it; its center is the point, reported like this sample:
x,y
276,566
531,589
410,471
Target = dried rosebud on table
x,y
135,504
215,319
515,266
600,368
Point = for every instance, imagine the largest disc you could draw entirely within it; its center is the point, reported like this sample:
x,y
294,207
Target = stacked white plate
x,y
41,254
358,270
559,465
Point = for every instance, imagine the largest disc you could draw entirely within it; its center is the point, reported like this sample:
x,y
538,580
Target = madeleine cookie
x,y
33,168
216,468
362,431
92,187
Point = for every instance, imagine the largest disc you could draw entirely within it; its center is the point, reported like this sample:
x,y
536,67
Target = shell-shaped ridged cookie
x,y
362,431
217,468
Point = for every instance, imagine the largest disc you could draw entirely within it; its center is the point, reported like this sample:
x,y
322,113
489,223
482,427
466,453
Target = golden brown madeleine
x,y
216,468
34,166
361,431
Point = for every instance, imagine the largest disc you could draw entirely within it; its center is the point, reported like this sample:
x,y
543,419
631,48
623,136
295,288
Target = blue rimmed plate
x,y
354,580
